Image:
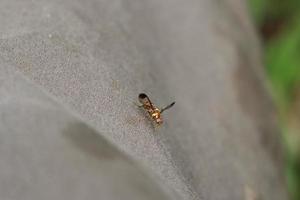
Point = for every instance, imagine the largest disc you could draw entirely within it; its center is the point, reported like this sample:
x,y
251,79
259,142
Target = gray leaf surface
x,y
71,71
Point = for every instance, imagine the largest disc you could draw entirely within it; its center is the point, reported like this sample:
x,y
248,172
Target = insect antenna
x,y
167,107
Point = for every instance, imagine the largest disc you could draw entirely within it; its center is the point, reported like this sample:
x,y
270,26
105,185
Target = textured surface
x,y
94,57
48,154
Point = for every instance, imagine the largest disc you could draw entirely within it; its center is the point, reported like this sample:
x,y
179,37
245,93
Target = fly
x,y
152,110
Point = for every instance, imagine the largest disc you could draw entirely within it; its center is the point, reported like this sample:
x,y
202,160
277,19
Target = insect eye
x,y
142,96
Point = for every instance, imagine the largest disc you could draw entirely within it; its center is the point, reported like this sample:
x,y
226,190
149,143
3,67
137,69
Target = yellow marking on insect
x,y
152,110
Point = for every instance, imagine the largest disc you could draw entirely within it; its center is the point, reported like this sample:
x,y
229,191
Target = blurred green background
x,y
278,22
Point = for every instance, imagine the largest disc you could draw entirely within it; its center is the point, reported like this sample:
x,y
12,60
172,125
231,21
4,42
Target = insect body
x,y
153,111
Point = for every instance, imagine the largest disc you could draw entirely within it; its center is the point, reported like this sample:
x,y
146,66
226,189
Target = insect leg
x,y
167,107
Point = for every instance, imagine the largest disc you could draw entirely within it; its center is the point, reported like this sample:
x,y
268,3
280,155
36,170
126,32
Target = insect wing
x,y
144,99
